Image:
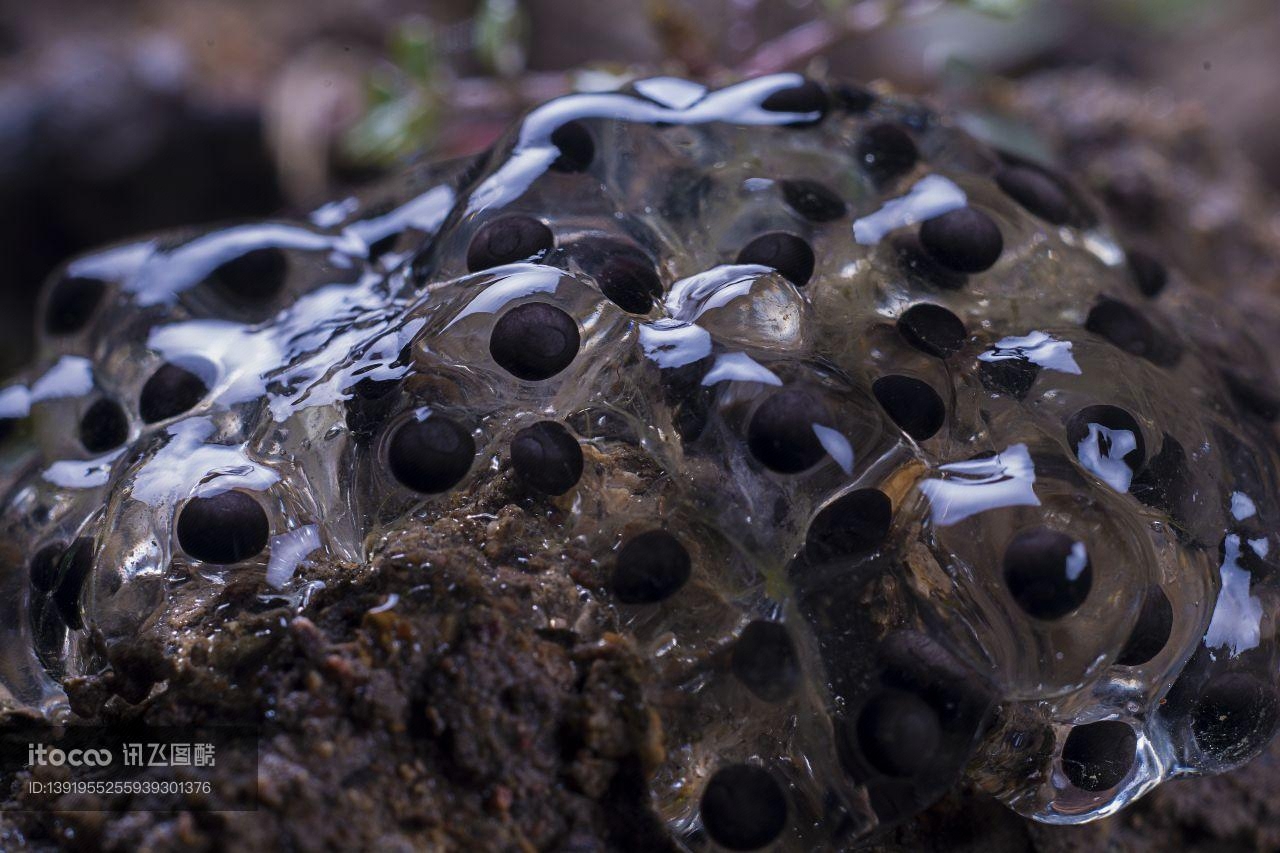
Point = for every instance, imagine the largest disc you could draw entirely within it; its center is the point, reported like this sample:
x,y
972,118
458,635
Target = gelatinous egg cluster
x,y
930,477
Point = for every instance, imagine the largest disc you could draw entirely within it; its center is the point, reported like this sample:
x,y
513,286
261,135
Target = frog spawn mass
x,y
938,479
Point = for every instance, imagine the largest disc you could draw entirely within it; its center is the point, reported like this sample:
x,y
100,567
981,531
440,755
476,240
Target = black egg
x,y
1125,328
898,733
104,427
764,659
690,401
431,454
1048,573
805,97
625,273
74,567
923,710
1243,461
1252,396
1152,630
781,435
812,200
684,194
790,255
224,528
1166,482
630,283
1148,274
650,567
506,240
71,304
1234,717
255,277
577,148
1036,192
915,262
690,416
932,329
547,457
743,808
1112,418
170,391
371,402
534,341
1132,195
45,567
1098,756
965,240
886,151
911,404
1011,376
852,524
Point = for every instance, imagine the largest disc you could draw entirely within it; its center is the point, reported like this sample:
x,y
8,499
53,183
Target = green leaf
x,y
501,32
392,130
413,49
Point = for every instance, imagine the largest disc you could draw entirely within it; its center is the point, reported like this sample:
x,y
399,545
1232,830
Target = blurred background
x,y
123,117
